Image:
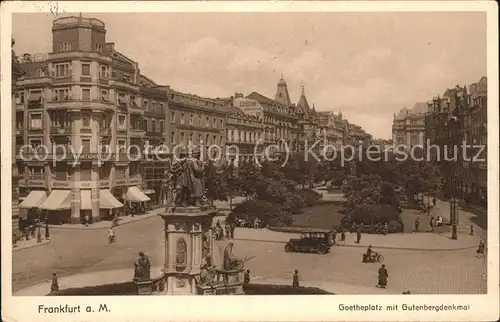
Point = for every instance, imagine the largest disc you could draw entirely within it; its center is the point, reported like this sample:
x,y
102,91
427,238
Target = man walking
x,y
295,281
417,224
434,201
382,276
358,234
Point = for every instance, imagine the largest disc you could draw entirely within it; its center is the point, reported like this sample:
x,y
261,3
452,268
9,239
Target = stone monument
x,y
189,266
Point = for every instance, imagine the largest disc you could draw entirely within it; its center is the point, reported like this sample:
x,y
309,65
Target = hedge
x,y
129,288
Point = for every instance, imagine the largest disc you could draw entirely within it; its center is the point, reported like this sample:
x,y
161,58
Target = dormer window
x,y
98,47
65,46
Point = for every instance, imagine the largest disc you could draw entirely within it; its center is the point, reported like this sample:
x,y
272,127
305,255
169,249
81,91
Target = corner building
x,y
84,96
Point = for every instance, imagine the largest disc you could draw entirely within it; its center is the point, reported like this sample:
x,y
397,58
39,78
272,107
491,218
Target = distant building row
x,y
459,115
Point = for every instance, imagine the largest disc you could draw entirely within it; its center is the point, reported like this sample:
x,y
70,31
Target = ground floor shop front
x,y
61,206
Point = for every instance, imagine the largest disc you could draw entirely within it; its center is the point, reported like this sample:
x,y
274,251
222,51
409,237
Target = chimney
x,y
27,58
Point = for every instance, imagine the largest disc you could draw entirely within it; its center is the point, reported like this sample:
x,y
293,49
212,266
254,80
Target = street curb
x,y
44,242
139,218
95,228
375,246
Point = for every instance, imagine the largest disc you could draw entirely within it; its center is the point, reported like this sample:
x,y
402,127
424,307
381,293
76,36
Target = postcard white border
x,y
275,308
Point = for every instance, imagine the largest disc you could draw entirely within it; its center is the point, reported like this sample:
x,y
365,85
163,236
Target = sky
x,y
367,65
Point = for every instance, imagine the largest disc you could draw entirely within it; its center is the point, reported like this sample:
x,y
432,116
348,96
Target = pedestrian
x,y
246,278
382,276
434,201
342,236
431,223
38,233
233,227
54,286
47,233
480,249
334,236
358,234
386,229
112,236
471,230
295,281
417,224
86,220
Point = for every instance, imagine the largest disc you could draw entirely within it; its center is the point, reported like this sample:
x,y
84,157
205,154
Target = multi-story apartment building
x,y
197,121
330,129
77,105
477,135
243,132
358,136
408,127
17,72
460,116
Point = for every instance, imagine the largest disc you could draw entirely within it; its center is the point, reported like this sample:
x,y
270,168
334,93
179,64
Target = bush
x,y
372,214
126,288
129,288
270,289
269,213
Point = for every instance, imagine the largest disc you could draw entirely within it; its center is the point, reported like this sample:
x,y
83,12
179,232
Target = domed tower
x,y
282,95
78,34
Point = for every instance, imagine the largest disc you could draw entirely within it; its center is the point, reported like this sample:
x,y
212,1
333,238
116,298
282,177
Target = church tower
x,y
282,95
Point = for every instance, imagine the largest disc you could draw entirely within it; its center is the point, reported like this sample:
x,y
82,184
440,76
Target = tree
x,y
215,183
231,180
248,176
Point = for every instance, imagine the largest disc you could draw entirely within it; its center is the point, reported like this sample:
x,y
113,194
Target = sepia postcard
x,y
325,161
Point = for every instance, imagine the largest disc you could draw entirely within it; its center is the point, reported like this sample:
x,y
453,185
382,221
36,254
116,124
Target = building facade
x,y
82,109
408,126
17,72
460,117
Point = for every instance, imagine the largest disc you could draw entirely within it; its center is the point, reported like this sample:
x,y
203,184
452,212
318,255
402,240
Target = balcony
x,y
135,180
34,81
36,182
137,133
123,85
73,104
65,130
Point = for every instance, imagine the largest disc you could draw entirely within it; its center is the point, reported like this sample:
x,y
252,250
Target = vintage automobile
x,y
315,240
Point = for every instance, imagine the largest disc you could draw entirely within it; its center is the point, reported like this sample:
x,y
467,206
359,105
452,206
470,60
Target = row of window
x,y
65,173
66,46
242,136
197,120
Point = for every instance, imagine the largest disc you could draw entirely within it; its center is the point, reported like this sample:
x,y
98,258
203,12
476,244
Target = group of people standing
x,y
224,232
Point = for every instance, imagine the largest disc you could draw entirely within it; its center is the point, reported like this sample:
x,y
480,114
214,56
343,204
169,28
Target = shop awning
x,y
149,192
34,199
107,200
134,194
85,200
57,200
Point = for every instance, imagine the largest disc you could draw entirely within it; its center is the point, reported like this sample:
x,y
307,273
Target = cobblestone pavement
x,y
85,251
444,272
411,241
422,272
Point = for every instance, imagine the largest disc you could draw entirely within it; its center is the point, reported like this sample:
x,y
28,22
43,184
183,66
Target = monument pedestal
x,y
185,230
144,287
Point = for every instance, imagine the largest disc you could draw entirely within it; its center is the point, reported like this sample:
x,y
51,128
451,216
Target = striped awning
x,y
57,200
107,200
34,199
134,194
